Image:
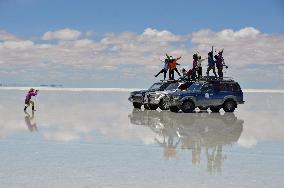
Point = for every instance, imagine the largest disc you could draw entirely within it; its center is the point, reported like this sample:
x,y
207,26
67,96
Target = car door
x,y
207,95
224,91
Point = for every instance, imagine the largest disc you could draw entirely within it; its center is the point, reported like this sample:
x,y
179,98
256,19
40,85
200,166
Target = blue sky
x,y
33,17
29,20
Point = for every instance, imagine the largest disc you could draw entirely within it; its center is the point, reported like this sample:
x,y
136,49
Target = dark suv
x,y
207,93
137,97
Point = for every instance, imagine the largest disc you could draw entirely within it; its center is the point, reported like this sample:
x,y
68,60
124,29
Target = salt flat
x,y
96,139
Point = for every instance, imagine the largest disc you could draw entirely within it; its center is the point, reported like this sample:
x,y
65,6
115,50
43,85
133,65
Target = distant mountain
x,y
26,85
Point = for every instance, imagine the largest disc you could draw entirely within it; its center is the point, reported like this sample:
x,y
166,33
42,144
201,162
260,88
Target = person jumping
x,y
165,68
28,100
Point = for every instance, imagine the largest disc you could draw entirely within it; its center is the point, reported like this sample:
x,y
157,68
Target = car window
x,y
196,87
216,87
222,87
236,87
183,87
207,88
155,87
164,86
232,87
172,86
229,87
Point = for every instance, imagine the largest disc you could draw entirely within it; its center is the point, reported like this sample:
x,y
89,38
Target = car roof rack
x,y
213,78
169,80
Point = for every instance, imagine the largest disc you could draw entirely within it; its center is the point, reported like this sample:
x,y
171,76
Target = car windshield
x,y
172,86
196,87
155,87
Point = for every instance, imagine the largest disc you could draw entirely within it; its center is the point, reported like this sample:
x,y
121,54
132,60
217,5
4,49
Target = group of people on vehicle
x,y
170,64
214,61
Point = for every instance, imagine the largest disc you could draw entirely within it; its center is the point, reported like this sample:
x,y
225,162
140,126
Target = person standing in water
x,y
28,100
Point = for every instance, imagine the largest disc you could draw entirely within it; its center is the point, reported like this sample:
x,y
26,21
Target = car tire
x,y
153,106
215,108
147,107
137,105
163,105
174,108
187,106
202,108
229,106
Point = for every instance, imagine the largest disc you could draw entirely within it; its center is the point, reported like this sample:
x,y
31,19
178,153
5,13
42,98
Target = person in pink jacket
x,y
28,100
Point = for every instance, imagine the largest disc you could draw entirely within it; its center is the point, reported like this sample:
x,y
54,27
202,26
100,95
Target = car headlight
x,y
176,97
158,96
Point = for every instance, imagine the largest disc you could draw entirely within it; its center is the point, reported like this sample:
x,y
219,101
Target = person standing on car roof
x,y
194,65
211,63
165,68
173,66
199,67
220,63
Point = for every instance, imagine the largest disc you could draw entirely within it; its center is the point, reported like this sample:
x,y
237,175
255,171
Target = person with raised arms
x,y
173,66
164,69
211,63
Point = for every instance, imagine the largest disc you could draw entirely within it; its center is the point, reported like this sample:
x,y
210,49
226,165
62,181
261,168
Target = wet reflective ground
x,y
96,139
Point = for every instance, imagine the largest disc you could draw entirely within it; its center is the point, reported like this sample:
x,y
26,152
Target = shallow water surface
x,y
96,139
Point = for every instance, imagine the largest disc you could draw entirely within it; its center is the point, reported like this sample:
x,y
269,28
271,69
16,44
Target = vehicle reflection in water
x,y
199,132
29,120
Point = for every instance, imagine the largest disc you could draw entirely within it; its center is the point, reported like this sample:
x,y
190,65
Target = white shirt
x,y
199,62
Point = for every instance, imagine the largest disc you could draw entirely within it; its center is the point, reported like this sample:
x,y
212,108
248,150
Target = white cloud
x,y
89,33
5,36
249,53
162,36
83,43
64,34
17,44
224,37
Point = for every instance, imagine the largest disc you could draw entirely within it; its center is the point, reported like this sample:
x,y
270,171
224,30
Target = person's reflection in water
x,y
196,154
203,133
170,133
169,146
215,159
29,121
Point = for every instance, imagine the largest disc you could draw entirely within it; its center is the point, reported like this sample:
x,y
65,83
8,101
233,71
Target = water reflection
x,y
198,132
29,120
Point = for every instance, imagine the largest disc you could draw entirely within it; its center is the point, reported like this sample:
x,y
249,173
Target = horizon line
x,y
120,89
